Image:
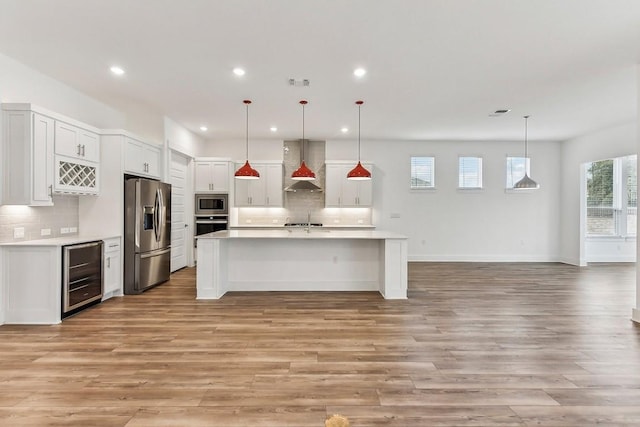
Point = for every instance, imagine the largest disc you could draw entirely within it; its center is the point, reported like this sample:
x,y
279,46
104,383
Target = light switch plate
x,y
18,233
45,232
64,230
73,229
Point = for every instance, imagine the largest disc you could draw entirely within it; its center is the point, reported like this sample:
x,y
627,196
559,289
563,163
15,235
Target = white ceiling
x,y
436,68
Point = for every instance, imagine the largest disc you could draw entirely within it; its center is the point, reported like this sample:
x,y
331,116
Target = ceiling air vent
x,y
302,82
499,113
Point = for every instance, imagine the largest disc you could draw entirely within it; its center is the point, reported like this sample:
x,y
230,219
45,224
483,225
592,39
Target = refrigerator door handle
x,y
161,214
154,253
156,216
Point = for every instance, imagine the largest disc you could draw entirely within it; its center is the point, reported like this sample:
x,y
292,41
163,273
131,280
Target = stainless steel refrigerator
x,y
147,231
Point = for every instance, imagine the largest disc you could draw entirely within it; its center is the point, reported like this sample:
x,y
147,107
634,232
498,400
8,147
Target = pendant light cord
x,y
526,118
247,102
359,105
303,103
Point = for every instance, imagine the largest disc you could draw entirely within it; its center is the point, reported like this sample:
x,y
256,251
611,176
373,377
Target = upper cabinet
x,y
77,160
345,193
77,143
28,140
211,176
263,192
142,159
45,153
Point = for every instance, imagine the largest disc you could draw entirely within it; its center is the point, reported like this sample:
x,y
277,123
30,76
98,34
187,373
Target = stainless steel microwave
x,y
211,204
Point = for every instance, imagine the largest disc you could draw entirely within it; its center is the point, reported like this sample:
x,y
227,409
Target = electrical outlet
x,y
73,229
18,233
336,221
361,221
45,232
64,230
274,221
248,221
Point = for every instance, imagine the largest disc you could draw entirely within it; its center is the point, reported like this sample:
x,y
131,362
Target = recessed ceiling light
x,y
359,72
344,130
273,128
117,70
204,128
238,71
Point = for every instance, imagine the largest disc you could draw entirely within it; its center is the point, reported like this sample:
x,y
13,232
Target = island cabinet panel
x,y
211,176
342,192
263,192
302,260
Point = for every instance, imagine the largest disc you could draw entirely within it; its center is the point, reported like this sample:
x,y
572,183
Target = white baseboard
x,y
612,258
483,258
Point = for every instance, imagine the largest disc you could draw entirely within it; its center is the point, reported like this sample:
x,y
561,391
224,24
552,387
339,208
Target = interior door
x,y
178,179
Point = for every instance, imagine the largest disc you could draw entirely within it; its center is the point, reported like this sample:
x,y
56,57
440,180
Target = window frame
x,y
480,173
510,189
432,187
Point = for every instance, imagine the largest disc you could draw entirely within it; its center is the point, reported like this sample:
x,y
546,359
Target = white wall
x,y
19,83
608,143
266,149
456,225
180,139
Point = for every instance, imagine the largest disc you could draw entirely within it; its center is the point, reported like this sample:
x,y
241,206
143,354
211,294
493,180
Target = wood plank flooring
x,y
474,345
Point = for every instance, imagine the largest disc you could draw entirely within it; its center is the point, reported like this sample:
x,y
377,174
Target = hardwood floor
x,y
474,345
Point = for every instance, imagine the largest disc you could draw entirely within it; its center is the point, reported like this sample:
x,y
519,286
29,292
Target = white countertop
x,y
282,227
59,241
301,233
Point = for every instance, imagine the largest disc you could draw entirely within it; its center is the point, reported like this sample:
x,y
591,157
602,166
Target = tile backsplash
x,y
63,214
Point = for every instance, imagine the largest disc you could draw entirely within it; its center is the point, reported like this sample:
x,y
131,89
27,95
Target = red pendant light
x,y
359,173
246,171
303,173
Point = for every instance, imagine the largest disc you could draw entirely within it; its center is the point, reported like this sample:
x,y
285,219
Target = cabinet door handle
x,y
78,150
267,200
109,262
83,150
51,191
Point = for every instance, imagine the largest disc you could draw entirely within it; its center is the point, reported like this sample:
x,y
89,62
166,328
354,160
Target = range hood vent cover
x,y
303,186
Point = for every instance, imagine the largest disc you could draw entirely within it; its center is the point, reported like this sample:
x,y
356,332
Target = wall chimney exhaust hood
x,y
314,153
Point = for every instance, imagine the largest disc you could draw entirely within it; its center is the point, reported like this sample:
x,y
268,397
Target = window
x,y
422,173
469,172
516,167
612,197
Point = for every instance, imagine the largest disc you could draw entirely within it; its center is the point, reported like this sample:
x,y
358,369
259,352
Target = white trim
x,y
484,258
635,315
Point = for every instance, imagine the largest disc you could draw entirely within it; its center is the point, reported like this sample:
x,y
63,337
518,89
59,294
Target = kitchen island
x,y
302,260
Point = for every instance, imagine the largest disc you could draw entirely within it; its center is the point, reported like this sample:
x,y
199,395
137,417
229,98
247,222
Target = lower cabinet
x,y
111,266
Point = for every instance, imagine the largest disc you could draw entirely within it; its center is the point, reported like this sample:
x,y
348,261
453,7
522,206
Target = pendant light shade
x,y
359,173
303,173
246,171
525,183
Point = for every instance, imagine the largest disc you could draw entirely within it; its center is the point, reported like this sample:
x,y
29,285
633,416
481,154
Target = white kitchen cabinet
x,y
142,159
343,192
28,144
263,192
112,262
211,176
77,143
32,280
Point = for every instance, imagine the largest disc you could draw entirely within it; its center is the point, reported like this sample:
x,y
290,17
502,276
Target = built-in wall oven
x,y
209,223
81,276
211,204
